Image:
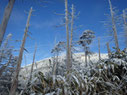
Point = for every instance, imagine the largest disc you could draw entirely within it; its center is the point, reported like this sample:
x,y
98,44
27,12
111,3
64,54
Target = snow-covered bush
x,y
8,63
105,77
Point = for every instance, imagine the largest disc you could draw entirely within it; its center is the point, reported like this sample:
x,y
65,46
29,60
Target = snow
x,y
45,66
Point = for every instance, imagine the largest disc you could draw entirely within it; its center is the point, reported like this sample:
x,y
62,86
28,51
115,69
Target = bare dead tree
x,y
108,48
99,48
15,80
25,63
5,19
72,23
114,26
55,59
67,35
33,63
125,26
27,86
7,14
56,51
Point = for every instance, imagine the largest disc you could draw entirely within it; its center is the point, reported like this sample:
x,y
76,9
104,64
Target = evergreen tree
x,y
85,40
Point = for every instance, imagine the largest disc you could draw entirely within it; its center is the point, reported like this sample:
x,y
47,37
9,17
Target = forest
x,y
89,62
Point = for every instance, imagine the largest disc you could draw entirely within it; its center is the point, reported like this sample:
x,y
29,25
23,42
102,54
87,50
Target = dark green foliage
x,y
86,38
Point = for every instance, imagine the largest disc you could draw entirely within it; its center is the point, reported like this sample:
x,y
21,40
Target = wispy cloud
x,y
46,24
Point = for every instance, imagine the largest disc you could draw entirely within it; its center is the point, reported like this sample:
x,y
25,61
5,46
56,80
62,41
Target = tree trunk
x,y
125,26
85,56
99,48
67,35
25,64
5,20
15,80
89,57
55,64
33,64
109,51
114,27
72,23
31,72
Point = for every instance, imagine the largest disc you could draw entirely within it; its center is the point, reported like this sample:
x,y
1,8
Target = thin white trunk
x,y
31,72
67,35
55,65
99,49
72,23
33,63
25,64
109,51
15,79
125,27
114,27
85,56
5,20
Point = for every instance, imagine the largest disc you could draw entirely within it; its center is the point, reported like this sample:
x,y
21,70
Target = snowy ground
x,y
44,65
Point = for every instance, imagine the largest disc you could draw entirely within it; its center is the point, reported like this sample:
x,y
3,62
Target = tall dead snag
x,y
72,23
125,26
99,48
5,20
56,51
33,63
25,63
27,86
15,80
67,34
108,48
114,27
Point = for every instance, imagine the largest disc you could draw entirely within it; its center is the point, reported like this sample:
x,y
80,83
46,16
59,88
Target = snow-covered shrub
x,y
8,64
105,77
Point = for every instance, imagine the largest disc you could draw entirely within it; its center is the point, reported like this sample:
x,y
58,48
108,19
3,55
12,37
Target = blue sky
x,y
43,22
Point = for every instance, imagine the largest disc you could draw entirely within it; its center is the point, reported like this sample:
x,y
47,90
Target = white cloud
x,y
46,24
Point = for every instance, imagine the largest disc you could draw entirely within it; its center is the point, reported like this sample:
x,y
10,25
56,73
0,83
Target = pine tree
x,y
85,40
